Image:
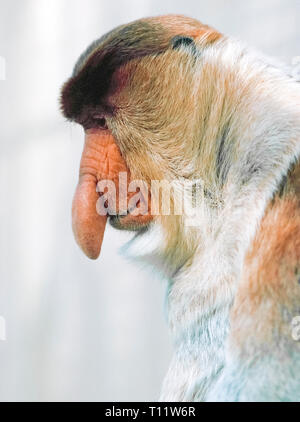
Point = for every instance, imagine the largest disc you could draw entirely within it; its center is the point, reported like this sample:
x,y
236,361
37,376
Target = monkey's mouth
x,y
130,222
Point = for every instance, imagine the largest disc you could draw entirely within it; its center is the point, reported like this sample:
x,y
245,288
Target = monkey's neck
x,y
203,290
201,296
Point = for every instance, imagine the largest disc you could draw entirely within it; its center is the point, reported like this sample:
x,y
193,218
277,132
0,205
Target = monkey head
x,y
135,93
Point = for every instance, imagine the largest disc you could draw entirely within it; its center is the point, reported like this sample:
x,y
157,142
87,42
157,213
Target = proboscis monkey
x,y
170,98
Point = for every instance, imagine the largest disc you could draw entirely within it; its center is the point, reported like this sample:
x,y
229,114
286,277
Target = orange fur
x,y
269,294
178,24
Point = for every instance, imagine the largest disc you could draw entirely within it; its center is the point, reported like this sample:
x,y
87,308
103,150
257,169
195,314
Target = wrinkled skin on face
x,y
101,160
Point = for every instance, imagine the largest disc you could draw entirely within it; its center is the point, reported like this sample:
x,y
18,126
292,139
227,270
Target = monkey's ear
x,y
183,41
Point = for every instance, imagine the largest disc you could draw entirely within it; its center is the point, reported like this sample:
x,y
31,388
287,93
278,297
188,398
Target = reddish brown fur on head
x,y
91,81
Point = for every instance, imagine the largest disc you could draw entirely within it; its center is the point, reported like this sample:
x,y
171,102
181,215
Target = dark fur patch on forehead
x,y
91,48
93,72
91,81
104,40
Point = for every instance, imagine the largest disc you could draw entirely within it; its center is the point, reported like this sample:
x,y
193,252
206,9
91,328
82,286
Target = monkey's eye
x,y
100,122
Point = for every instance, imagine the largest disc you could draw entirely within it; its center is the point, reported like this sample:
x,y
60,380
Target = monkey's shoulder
x,y
268,297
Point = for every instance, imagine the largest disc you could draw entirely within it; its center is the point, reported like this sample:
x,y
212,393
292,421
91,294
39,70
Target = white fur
x,y
267,137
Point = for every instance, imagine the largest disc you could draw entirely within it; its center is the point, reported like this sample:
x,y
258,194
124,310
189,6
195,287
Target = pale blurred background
x,y
77,329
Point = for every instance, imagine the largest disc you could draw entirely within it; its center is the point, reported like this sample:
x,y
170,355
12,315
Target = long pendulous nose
x,y
101,159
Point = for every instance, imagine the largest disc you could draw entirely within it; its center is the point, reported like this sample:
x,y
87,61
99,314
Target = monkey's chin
x,y
130,222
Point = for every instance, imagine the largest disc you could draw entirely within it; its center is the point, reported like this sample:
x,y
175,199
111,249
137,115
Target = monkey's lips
x,y
130,222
